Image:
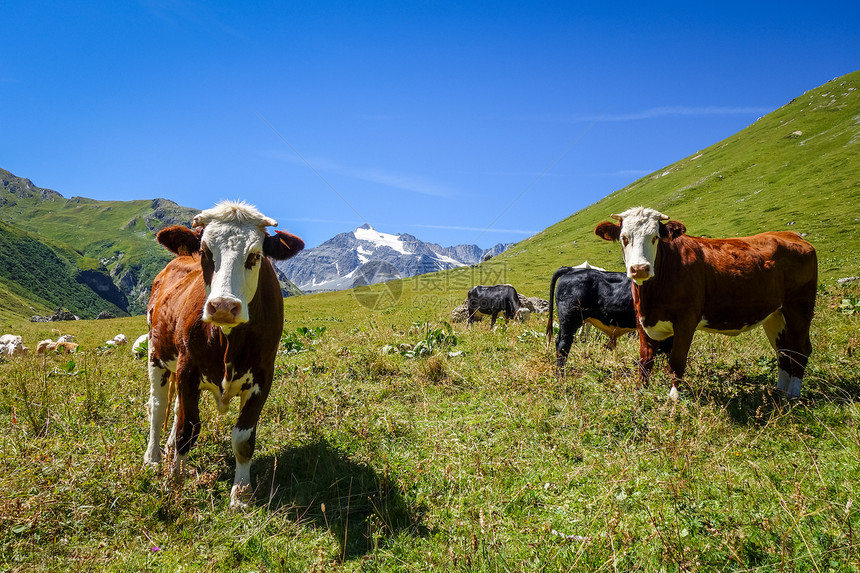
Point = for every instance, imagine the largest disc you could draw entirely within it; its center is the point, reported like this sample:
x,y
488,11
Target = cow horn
x,y
664,217
616,217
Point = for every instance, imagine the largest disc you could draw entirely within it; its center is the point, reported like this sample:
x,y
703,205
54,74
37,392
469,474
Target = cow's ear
x,y
608,231
179,240
671,230
281,245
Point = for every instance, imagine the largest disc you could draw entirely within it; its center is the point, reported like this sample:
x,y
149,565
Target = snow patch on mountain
x,y
368,234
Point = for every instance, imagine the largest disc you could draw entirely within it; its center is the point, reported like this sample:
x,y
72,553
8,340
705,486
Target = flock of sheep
x,y
13,344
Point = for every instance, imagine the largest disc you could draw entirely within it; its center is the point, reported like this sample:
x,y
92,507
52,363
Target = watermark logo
x,y
462,278
376,285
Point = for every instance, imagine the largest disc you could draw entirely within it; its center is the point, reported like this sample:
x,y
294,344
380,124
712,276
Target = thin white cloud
x,y
393,179
403,181
669,111
478,229
379,117
654,113
196,15
313,220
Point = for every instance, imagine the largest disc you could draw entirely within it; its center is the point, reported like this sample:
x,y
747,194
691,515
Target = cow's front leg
x,y
647,352
683,337
157,407
187,421
244,440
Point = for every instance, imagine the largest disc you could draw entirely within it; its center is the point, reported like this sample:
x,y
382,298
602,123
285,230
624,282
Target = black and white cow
x,y
590,296
492,300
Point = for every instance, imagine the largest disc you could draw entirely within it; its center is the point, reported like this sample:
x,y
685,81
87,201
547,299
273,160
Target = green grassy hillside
x,y
117,236
766,177
797,168
35,276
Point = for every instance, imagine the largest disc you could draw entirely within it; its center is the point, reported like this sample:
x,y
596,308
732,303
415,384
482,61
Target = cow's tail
x,y
555,277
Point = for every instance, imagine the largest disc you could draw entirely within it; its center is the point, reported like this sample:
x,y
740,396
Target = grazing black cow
x,y
589,296
491,300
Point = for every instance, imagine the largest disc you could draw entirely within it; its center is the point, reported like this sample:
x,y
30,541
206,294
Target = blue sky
x,y
457,122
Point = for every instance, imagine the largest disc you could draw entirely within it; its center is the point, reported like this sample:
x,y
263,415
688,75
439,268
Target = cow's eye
x,y
252,260
625,241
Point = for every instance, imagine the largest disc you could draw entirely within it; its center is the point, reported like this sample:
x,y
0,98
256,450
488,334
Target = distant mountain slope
x,y
110,238
334,264
37,276
797,168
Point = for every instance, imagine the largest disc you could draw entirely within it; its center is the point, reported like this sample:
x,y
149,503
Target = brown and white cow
x,y
215,317
682,284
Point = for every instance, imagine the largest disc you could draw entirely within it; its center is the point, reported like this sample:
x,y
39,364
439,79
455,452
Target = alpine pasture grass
x,y
473,457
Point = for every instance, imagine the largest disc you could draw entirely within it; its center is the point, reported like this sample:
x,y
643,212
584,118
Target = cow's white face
x,y
231,255
640,234
640,230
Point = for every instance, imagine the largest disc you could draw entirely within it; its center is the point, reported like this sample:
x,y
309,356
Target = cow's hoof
x,y
673,394
791,390
240,498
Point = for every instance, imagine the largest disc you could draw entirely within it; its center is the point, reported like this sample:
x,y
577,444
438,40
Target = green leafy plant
x,y
849,305
294,342
435,339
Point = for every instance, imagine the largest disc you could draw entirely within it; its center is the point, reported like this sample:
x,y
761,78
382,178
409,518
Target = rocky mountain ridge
x,y
337,263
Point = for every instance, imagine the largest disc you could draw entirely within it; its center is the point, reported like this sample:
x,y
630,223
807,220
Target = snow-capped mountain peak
x,y
333,265
368,234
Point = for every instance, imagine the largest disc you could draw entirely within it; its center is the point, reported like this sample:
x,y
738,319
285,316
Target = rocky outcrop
x,y
166,213
60,315
534,304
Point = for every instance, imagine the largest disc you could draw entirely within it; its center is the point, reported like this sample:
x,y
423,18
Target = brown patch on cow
x,y
730,284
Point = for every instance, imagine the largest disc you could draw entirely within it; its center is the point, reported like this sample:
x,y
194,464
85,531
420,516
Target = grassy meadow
x,y
394,442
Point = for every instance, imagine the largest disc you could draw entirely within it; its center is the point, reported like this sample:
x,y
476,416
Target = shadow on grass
x,y
319,485
753,399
